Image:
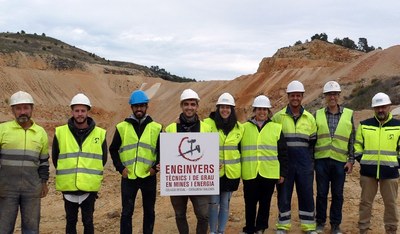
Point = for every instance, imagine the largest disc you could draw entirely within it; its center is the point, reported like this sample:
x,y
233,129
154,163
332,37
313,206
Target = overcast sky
x,y
201,39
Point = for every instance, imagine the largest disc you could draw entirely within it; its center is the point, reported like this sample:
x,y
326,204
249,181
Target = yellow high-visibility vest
x,y
138,155
79,169
335,147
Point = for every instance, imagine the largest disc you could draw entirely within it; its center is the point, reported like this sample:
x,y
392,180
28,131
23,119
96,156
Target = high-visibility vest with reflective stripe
x,y
260,151
229,155
79,169
378,146
297,134
138,155
336,147
21,153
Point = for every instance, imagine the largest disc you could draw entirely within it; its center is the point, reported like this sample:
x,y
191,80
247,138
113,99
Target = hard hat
x,y
80,99
21,97
226,99
138,97
189,94
295,86
380,99
262,101
331,86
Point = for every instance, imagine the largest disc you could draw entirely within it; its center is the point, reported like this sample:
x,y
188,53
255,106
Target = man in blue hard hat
x,y
135,154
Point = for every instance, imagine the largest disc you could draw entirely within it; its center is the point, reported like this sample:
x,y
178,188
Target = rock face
x,y
53,82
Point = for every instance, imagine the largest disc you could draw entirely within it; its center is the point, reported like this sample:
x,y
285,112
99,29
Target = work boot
x,y
335,229
260,231
363,231
390,229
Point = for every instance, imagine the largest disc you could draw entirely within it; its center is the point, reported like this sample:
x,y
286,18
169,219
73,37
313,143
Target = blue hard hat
x,y
138,97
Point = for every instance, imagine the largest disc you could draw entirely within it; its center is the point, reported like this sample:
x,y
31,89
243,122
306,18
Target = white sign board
x,y
189,164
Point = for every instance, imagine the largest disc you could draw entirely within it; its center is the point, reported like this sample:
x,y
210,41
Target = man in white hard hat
x,y
334,156
24,167
377,151
135,154
79,153
189,122
299,129
264,164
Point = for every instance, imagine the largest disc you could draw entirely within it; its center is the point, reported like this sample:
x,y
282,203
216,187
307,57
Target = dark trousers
x,y
129,190
200,206
329,172
258,190
87,210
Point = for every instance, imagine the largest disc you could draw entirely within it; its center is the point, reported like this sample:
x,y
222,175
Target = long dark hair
x,y
227,125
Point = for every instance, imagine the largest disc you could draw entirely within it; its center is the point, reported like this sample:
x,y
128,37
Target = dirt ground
x,y
108,208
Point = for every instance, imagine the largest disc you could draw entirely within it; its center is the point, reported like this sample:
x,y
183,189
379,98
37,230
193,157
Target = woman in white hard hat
x,y
224,121
264,163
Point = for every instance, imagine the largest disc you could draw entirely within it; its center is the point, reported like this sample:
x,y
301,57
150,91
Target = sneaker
x,y
336,229
281,231
320,228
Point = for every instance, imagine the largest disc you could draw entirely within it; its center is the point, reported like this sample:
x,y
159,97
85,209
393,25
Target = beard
x,y
78,121
23,119
139,114
381,116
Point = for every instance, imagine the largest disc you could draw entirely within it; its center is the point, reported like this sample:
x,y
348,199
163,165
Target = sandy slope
x,y
109,94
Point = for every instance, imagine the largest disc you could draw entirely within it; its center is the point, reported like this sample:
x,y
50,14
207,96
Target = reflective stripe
x,y
297,144
231,161
144,160
19,158
127,147
228,147
146,146
79,170
284,221
259,158
298,135
306,213
330,147
342,138
43,156
15,163
129,162
20,152
287,213
382,152
80,154
260,147
382,163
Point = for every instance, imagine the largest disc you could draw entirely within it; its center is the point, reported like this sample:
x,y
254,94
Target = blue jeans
x,y
329,172
29,204
129,190
218,218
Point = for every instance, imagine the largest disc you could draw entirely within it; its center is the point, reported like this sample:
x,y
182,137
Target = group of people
x,y
268,151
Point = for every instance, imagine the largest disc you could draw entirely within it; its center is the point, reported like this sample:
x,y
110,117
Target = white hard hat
x,y
80,99
21,97
226,99
380,99
295,86
189,94
331,86
262,101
